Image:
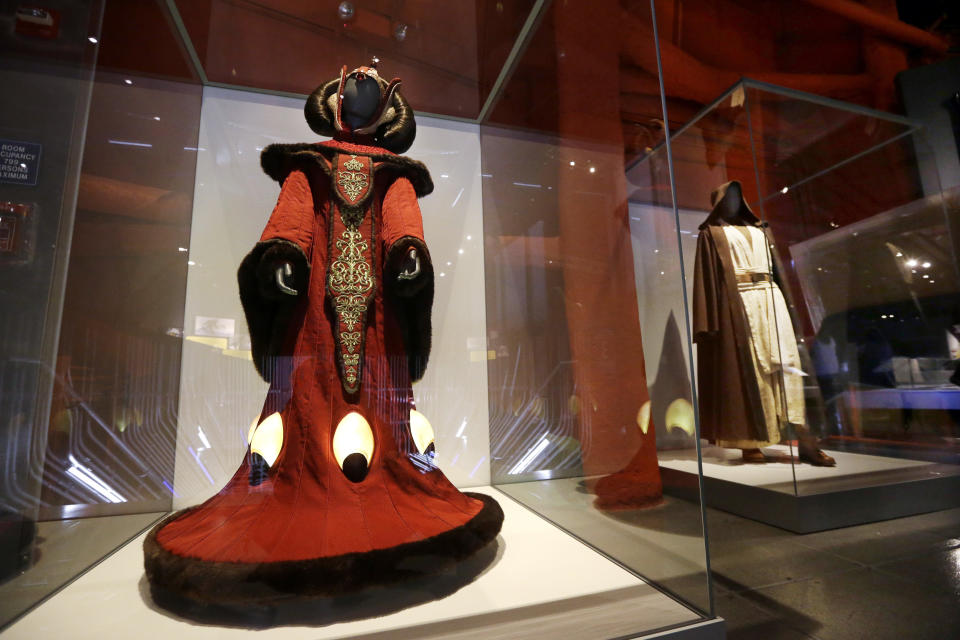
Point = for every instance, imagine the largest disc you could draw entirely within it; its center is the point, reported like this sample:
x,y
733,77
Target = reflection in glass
x,y
93,284
578,302
861,248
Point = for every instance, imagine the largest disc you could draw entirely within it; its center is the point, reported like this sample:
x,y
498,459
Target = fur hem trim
x,y
278,160
231,583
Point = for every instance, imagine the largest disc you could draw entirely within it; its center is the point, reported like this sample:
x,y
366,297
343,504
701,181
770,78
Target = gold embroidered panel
x,y
351,283
353,178
350,275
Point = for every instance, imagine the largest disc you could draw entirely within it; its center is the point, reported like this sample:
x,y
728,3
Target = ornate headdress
x,y
392,125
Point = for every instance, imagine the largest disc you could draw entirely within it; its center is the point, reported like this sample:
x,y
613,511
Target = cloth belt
x,y
753,277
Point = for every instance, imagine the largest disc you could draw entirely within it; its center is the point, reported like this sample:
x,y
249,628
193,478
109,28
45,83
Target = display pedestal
x,y
858,490
542,584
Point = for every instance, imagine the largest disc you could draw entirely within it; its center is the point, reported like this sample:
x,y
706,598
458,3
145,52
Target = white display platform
x,y
852,470
663,543
859,489
543,584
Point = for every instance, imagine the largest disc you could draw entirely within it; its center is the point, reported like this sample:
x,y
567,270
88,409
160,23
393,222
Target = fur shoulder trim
x,y
278,160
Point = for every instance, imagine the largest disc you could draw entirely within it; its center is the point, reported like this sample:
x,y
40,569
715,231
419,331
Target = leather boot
x,y
809,452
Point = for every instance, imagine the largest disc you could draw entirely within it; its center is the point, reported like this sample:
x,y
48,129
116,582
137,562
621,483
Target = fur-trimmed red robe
x,y
308,530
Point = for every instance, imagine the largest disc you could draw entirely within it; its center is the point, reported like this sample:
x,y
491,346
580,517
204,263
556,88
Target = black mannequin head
x,y
729,207
360,106
360,100
731,204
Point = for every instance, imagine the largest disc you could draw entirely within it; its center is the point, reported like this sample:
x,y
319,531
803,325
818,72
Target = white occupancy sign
x,y
19,162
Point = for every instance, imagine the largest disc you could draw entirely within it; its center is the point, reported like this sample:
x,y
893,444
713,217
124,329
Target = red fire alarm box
x,y
16,224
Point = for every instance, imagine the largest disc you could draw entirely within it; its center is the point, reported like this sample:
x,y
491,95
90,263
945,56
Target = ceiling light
x,y
346,11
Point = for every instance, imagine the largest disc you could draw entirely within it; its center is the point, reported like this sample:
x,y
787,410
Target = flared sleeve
x,y
288,237
412,299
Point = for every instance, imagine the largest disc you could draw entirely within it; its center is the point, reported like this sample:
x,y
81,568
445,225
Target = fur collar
x,y
278,160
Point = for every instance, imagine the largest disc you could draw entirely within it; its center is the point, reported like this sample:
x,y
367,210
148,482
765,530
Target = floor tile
x,y
723,526
746,622
944,524
862,604
877,542
934,518
747,564
940,570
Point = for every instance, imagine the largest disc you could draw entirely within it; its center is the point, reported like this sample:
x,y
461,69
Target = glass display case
x,y
655,287
152,399
103,124
863,247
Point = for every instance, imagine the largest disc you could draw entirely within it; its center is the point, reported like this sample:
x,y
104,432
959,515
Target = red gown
x,y
307,530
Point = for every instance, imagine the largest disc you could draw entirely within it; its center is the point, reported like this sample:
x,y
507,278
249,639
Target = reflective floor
x,y
893,579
